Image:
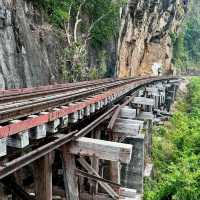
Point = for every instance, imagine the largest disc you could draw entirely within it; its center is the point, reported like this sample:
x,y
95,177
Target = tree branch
x,y
67,28
78,20
93,25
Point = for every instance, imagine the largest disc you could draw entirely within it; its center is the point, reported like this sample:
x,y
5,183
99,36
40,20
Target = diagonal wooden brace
x,y
105,186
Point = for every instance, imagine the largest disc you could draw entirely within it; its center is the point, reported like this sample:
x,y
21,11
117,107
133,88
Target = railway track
x,y
27,93
13,107
54,106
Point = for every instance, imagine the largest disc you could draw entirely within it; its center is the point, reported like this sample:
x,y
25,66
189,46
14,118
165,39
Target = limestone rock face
x,y
28,47
145,35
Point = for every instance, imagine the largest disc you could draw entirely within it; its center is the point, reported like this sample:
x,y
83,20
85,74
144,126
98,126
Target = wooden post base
x,y
43,178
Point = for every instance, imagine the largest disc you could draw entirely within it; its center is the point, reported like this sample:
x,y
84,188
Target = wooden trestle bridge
x,y
81,141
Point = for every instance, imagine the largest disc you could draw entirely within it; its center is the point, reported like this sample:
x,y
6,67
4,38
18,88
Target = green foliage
x,y
192,32
187,45
179,51
106,28
86,23
173,37
176,153
57,10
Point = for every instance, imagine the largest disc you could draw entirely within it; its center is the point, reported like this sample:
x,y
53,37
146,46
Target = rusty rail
x,y
18,163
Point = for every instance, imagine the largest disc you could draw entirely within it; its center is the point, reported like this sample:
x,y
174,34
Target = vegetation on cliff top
x,y
176,152
86,23
187,43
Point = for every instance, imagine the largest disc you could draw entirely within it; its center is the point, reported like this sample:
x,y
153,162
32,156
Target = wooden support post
x,y
150,124
115,168
95,166
43,178
71,186
95,162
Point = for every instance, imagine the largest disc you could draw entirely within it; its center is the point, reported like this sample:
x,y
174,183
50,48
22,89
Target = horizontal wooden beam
x,y
130,121
126,192
128,113
104,150
152,89
126,129
145,116
144,101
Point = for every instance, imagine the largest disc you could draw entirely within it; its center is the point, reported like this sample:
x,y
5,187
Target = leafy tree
x,y
85,23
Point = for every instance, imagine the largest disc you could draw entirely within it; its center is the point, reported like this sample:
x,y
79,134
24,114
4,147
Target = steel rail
x,y
15,110
20,91
12,166
43,92
25,124
25,93
102,86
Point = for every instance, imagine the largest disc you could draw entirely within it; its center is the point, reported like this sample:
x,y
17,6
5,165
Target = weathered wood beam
x,y
115,169
145,116
152,89
132,174
69,167
104,150
129,129
127,113
130,121
95,162
144,101
105,186
126,192
90,176
43,177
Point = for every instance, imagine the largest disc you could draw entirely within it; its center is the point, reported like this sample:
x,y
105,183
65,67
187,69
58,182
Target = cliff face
x,y
29,49
144,38
32,50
